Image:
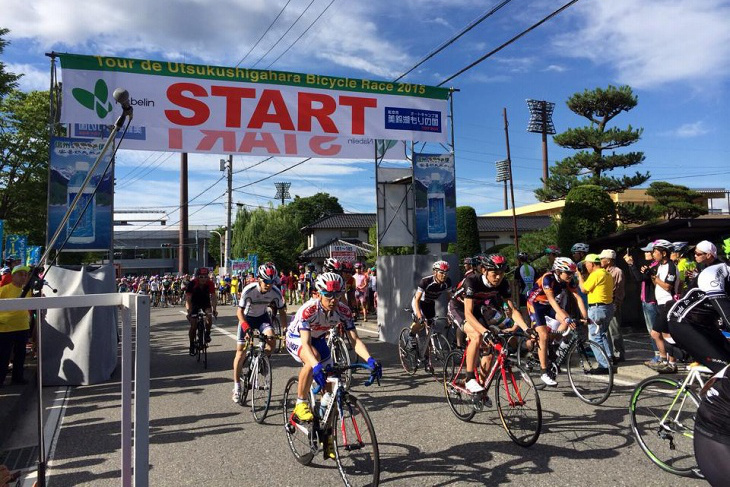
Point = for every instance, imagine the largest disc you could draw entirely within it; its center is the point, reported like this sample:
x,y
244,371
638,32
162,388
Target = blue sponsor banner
x,y
90,228
101,131
34,255
2,229
412,119
435,192
16,246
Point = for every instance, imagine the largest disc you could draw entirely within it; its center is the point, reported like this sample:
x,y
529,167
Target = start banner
x,y
196,108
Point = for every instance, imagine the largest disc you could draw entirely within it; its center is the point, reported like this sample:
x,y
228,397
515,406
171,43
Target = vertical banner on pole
x,y
33,255
71,160
2,228
435,188
16,246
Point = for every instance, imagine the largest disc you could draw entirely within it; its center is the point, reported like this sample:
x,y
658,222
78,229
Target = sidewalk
x,y
15,402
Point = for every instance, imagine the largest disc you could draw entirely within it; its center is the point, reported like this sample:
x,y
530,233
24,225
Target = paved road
x,y
198,436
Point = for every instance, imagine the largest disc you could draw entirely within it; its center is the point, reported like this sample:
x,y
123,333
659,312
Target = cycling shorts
x,y
260,323
539,313
361,296
294,347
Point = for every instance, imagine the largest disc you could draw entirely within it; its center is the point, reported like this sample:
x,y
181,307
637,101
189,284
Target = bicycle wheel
x,y
438,352
518,404
260,387
590,387
276,325
300,436
459,400
663,419
356,447
200,339
245,378
341,356
529,360
408,357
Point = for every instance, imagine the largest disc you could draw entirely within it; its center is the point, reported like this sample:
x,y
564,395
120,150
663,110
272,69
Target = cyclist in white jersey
x,y
253,314
306,341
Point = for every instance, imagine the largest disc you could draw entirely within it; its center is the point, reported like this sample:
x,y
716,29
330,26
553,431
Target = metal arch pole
x,y
229,204
377,190
126,394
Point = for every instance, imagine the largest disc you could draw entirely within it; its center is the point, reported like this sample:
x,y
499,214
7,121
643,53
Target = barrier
x,y
135,313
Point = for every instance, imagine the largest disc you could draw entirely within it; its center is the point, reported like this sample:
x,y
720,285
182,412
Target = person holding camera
x,y
643,276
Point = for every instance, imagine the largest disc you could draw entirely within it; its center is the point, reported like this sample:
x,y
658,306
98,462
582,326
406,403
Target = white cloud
x,y
556,68
689,130
33,79
653,42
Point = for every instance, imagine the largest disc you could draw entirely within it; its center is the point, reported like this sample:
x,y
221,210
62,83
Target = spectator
x,y
14,328
642,275
666,286
9,264
616,339
599,288
374,288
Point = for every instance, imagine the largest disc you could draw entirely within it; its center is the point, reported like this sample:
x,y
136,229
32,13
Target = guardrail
x,y
135,440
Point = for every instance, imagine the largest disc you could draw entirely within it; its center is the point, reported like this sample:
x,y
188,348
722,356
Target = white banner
x,y
195,108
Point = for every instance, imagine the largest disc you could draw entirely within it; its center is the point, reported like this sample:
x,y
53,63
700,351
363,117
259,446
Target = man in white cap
x,y
616,339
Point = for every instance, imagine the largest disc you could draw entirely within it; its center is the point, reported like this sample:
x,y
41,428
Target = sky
x,y
674,54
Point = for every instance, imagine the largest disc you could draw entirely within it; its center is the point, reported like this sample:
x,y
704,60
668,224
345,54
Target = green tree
x,y
422,249
534,245
8,81
589,213
272,234
467,233
675,201
596,145
312,208
24,145
238,251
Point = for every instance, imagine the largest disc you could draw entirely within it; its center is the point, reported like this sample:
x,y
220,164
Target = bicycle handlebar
x,y
338,370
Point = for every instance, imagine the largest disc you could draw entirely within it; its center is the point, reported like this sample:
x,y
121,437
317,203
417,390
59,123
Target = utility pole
x,y
182,255
228,167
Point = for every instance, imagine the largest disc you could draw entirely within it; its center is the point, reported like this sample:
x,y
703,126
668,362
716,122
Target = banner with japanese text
x,y
90,225
197,108
15,247
33,255
435,190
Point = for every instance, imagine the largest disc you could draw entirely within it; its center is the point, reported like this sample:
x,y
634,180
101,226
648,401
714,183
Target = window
x,y
349,234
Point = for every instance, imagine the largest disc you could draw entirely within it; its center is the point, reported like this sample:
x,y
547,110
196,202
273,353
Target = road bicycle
x,y
434,345
256,376
575,354
516,397
345,419
663,412
340,351
201,348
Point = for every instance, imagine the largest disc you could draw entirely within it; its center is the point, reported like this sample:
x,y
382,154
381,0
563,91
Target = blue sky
x,y
675,54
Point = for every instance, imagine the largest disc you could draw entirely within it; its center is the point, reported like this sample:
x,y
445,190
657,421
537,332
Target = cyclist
x,y
468,264
525,278
200,294
332,265
483,299
306,341
666,286
693,320
253,314
544,302
712,429
424,301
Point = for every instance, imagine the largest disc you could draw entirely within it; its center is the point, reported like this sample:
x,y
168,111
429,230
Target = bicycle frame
x,y
692,377
501,361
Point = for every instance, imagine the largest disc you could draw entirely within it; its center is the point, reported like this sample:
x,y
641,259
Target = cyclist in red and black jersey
x,y
200,294
483,299
429,290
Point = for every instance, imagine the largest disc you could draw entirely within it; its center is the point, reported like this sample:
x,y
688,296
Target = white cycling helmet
x,y
580,247
441,265
267,271
564,264
664,244
329,282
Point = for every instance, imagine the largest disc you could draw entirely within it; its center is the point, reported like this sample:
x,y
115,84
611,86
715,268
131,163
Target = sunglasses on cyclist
x,y
330,294
267,281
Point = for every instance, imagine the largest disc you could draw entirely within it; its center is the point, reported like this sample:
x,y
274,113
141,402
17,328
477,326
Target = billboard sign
x,y
435,191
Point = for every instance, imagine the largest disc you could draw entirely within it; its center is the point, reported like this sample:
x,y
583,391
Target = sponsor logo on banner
x,y
194,108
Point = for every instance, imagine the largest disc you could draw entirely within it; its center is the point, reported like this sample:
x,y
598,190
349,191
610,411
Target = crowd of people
x,y
16,330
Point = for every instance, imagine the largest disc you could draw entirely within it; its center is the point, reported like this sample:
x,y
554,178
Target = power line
x,y
494,51
302,34
265,32
275,174
283,35
152,168
463,31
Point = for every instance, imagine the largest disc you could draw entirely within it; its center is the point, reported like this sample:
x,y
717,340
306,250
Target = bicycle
x,y
356,447
201,348
516,397
256,376
663,413
435,349
340,351
579,356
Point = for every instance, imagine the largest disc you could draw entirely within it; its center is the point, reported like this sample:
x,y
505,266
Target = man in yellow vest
x,y
14,328
599,288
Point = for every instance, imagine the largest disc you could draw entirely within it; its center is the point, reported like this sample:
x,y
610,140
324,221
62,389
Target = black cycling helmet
x,y
494,262
523,256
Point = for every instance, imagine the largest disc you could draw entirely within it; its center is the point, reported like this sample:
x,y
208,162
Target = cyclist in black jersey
x,y
712,430
429,290
694,319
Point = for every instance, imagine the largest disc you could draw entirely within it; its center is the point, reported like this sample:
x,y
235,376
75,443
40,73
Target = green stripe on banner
x,y
199,71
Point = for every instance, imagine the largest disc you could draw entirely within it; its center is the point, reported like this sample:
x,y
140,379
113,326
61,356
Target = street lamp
x,y
220,247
